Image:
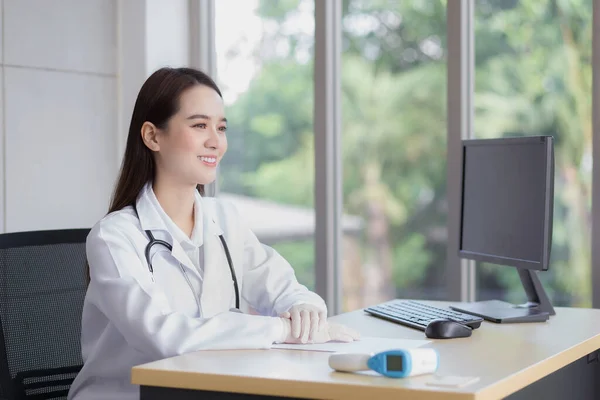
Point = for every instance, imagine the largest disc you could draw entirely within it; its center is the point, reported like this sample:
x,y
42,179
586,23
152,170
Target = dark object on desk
x,y
42,287
446,329
418,315
503,312
506,216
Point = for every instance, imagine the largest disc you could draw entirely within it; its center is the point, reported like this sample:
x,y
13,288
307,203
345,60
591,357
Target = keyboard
x,y
417,315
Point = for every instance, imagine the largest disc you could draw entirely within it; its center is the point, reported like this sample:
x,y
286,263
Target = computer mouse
x,y
447,329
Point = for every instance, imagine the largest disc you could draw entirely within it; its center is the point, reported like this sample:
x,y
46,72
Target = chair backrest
x,y
42,287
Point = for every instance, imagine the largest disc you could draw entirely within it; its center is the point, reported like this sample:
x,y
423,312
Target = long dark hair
x,y
157,102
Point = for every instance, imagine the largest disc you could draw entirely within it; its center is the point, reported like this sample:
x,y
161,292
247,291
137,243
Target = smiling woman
x,y
147,302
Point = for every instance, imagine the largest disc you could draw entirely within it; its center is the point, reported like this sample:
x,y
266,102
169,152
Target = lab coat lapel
x,y
181,256
151,220
217,289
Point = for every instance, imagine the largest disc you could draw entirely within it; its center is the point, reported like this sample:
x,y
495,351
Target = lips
x,y
208,160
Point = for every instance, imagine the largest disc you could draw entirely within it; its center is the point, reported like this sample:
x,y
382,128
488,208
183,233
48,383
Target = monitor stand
x,y
537,309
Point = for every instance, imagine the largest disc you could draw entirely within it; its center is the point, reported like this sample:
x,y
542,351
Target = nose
x,y
213,140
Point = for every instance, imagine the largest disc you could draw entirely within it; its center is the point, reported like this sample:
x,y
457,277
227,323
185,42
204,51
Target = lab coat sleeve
x,y
270,285
121,288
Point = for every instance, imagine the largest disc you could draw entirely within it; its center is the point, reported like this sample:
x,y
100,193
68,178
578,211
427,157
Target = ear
x,y
149,134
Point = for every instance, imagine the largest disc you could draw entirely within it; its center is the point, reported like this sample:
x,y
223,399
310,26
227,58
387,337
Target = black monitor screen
x,y
505,199
394,363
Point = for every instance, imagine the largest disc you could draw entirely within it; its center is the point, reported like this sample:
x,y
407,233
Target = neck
x,y
178,202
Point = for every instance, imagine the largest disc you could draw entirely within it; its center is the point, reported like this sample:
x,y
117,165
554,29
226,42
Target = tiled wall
x,y
58,112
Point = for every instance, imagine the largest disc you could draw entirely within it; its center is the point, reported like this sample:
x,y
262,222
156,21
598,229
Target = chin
x,y
205,180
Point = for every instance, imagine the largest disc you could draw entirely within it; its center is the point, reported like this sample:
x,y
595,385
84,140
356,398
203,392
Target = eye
x,y
201,125
223,129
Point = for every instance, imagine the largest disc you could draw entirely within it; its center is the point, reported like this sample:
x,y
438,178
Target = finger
x,y
296,320
352,333
285,315
314,324
322,320
344,338
337,334
305,315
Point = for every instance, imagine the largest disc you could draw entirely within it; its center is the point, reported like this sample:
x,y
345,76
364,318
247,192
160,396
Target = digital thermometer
x,y
391,363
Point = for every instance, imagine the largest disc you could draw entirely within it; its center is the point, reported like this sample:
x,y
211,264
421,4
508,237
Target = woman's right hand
x,y
329,332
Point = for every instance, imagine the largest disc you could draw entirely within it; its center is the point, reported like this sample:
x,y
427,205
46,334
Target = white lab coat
x,y
130,319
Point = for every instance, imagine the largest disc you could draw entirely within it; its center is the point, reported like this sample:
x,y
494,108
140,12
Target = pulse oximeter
x,y
396,363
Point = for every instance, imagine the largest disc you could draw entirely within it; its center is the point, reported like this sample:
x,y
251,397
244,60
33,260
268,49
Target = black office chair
x,y
42,287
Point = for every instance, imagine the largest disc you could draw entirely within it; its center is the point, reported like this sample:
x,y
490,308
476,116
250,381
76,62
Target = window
x,y
533,77
265,70
394,150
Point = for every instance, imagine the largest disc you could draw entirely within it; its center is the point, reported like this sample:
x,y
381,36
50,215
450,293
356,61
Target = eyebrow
x,y
203,116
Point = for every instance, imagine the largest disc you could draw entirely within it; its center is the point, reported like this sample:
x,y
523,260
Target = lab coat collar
x,y
150,219
147,213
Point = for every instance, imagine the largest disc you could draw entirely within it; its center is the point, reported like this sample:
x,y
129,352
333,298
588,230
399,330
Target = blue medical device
x,y
397,363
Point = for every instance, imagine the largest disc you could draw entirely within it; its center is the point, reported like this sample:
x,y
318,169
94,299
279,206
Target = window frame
x,y
461,274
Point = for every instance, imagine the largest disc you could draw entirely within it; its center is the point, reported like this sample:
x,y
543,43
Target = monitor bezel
x,y
543,264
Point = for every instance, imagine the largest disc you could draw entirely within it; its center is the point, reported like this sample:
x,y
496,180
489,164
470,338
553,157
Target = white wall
x,y
70,71
58,112
167,33
152,34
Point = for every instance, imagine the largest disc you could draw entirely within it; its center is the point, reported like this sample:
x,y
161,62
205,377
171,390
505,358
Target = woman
x,y
182,294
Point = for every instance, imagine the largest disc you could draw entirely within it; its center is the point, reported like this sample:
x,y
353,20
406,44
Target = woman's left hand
x,y
307,319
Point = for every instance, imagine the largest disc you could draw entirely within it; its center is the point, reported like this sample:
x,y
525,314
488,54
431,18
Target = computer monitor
x,y
506,218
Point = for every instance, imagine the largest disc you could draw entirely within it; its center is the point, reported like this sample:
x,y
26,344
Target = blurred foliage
x,y
533,76
301,254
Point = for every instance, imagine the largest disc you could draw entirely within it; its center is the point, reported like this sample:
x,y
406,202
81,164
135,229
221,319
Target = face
x,y
189,149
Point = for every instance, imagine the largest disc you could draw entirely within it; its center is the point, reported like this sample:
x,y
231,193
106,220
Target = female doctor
x,y
168,267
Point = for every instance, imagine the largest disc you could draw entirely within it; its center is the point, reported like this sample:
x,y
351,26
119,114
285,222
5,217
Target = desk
x,y
554,358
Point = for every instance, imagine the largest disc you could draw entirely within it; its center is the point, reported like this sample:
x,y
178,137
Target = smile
x,y
210,161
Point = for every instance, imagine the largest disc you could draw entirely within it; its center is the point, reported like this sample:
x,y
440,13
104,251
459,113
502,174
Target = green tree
x,y
533,76
541,84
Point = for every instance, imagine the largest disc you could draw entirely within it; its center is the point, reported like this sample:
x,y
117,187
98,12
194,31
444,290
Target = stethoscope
x,y
154,241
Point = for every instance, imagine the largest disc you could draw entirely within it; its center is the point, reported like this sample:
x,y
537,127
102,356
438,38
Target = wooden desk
x,y
507,358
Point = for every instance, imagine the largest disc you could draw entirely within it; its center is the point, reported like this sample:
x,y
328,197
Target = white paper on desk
x,y
364,345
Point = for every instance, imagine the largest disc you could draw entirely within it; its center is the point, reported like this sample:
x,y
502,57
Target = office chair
x,y
42,287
